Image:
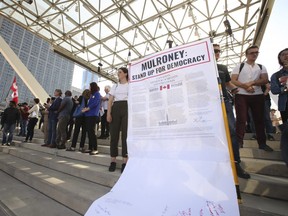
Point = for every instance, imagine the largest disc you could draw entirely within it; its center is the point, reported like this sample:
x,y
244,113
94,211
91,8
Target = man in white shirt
x,y
104,106
249,77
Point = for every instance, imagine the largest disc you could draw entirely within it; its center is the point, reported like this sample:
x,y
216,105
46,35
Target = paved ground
x,y
5,211
24,201
247,211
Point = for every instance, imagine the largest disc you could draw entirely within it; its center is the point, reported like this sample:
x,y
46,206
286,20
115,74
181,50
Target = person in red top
x,y
24,118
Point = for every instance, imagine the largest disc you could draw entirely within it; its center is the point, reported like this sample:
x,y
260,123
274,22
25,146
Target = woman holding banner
x,y
117,116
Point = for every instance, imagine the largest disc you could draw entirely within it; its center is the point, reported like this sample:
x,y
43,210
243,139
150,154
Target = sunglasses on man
x,y
253,53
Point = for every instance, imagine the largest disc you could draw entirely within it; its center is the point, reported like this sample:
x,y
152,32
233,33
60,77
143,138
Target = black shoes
x,y
91,152
241,173
45,145
52,146
70,149
8,144
94,152
270,137
123,167
266,148
112,167
86,151
61,147
103,137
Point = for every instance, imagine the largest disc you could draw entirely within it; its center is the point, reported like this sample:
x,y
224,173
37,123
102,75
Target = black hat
x,y
13,102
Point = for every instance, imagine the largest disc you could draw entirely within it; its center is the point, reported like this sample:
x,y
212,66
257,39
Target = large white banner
x,y
179,163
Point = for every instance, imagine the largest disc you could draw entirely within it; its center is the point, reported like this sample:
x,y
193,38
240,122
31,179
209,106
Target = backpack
x,y
242,65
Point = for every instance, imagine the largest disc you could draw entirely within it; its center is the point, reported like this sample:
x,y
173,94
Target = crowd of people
x,y
59,115
250,86
247,89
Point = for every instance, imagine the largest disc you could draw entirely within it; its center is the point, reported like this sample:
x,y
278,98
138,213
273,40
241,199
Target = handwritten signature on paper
x,y
103,210
187,212
213,209
116,201
164,211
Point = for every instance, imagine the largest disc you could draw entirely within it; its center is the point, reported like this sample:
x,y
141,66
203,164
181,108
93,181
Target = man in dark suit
x,y
53,119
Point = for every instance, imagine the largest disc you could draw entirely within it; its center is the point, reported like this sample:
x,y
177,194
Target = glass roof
x,y
106,33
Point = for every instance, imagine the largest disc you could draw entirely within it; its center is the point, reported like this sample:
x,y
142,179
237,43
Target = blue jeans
x,y
8,128
231,122
52,125
23,127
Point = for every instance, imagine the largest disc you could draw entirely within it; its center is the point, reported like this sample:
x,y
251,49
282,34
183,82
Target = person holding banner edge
x,y
117,116
226,83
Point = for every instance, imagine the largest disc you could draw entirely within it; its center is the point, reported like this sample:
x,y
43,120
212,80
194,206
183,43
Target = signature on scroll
x,y
103,210
187,212
212,209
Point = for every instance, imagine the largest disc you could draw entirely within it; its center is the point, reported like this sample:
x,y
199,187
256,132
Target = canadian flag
x,y
14,88
162,87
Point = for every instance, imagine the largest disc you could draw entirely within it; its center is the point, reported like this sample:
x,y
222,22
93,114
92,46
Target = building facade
x,y
51,70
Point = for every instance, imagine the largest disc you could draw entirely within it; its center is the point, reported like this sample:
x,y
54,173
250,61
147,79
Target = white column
x,y
34,86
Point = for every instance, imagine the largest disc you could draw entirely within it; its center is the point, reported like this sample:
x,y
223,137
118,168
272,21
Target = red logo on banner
x,y
164,87
14,88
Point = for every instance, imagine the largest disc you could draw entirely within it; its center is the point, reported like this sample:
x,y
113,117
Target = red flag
x,y
14,88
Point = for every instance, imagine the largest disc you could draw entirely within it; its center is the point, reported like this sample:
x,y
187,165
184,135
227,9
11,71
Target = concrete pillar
x,y
27,77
